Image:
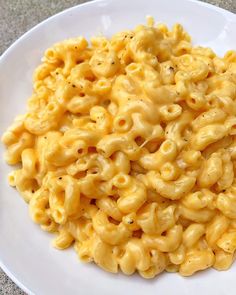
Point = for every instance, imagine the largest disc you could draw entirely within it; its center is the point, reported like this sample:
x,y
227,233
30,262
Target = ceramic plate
x,y
25,251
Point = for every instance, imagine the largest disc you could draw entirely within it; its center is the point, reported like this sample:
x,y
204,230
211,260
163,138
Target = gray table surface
x,y
17,17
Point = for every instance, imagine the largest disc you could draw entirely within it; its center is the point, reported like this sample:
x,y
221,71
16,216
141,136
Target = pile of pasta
x,y
128,151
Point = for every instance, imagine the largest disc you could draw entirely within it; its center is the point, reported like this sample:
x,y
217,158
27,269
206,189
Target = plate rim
x,y
6,52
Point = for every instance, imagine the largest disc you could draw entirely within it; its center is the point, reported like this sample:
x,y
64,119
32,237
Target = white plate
x,y
25,251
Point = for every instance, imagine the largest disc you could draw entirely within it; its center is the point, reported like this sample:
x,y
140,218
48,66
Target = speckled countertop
x,y
17,17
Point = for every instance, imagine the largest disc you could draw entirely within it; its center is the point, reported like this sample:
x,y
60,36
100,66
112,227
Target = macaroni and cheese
x,y
128,151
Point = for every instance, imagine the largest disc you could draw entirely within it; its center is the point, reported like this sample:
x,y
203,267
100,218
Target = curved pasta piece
x,y
110,207
227,177
112,143
211,171
110,233
226,203
154,221
16,138
200,216
174,129
196,260
214,115
223,260
166,153
172,190
168,243
63,240
216,228
132,197
38,205
64,197
135,257
103,255
177,257
192,234
158,265
208,135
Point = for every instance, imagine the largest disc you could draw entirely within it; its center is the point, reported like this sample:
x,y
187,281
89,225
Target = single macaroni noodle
x,y
128,151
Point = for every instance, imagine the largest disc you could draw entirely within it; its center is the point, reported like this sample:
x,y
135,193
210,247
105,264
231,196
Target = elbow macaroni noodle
x,y
127,151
